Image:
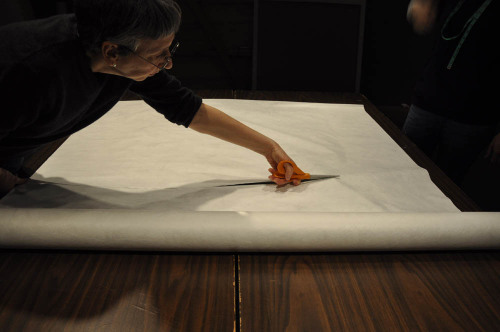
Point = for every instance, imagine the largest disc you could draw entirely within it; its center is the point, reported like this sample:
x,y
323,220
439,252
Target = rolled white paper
x,y
247,231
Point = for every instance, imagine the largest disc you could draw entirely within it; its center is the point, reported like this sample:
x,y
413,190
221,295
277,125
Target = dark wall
x,y
299,46
393,54
19,10
217,41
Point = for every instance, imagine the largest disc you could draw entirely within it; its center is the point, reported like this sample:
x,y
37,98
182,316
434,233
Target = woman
x,y
454,115
60,74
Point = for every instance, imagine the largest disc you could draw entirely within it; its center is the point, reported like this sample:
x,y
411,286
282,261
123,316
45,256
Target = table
x,y
129,291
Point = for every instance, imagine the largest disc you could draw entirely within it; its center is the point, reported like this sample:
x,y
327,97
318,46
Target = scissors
x,y
298,173
280,173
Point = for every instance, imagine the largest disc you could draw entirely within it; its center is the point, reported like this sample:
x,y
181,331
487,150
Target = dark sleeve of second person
x,y
166,95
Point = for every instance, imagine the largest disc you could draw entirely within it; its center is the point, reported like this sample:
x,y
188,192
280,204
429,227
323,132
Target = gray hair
x,y
125,22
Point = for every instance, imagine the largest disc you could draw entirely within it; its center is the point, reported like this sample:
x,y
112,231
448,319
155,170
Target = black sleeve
x,y
21,98
166,94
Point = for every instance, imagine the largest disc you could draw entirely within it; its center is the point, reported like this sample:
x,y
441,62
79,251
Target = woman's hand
x,y
274,157
8,181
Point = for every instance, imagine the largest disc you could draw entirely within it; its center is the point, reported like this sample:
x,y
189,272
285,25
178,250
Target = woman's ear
x,y
110,53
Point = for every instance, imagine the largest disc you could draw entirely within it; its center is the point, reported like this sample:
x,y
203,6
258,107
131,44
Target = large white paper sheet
x,y
133,160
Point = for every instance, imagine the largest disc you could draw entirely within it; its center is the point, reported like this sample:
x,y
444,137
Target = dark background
x,y
302,45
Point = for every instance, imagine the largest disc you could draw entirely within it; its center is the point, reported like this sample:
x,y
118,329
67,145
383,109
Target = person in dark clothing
x,y
454,115
60,74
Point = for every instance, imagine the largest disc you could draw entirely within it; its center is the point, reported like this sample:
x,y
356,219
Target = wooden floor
x,y
130,291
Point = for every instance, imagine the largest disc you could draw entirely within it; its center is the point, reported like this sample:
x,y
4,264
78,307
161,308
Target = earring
x,y
114,65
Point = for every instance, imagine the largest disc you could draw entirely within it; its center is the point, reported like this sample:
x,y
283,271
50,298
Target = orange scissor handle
x,y
297,172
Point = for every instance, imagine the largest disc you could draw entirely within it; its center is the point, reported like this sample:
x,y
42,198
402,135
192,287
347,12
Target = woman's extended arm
x,y
211,121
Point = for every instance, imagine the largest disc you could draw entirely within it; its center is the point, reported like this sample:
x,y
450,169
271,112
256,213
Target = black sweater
x,y
466,92
48,91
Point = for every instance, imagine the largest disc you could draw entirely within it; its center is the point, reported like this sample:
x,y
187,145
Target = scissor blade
x,y
251,183
321,177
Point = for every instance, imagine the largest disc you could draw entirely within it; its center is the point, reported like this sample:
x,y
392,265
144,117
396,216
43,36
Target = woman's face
x,y
139,65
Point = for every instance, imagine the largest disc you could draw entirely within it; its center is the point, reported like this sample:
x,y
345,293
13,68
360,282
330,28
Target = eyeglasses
x,y
164,62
